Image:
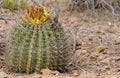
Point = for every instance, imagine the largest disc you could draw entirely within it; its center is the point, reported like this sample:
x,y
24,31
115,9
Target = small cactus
x,y
36,43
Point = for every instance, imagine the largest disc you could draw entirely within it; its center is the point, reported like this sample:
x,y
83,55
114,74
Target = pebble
x,y
3,74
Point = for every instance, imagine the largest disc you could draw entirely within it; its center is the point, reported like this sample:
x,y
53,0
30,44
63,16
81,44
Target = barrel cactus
x,y
36,43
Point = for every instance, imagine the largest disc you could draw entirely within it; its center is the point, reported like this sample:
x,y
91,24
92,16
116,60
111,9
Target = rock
x,y
36,76
109,23
18,77
55,73
49,72
84,52
108,72
3,74
46,71
105,61
78,51
75,73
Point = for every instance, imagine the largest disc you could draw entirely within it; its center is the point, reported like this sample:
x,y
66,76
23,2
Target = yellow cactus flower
x,y
38,21
45,12
37,15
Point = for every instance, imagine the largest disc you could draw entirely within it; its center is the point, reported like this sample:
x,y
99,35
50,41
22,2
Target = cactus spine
x,y
36,46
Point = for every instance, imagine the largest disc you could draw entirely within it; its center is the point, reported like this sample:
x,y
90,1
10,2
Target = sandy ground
x,y
96,42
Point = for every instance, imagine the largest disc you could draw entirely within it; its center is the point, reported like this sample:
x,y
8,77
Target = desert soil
x,y
95,41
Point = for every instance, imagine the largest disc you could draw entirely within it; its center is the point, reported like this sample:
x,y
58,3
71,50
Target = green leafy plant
x,y
36,46
5,3
14,4
23,4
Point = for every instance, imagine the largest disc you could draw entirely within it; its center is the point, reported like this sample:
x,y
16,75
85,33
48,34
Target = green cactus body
x,y
23,4
33,47
6,3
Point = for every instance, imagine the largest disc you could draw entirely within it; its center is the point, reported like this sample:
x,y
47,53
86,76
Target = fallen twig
x,y
111,7
73,32
4,18
1,18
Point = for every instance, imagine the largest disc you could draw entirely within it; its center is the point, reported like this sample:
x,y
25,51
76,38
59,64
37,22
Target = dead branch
x,y
73,33
1,3
94,4
1,18
111,8
37,3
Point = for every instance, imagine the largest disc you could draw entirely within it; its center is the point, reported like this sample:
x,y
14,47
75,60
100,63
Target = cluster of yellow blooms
x,y
37,15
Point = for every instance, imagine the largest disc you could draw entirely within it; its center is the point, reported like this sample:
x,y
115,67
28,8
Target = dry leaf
x,y
92,58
